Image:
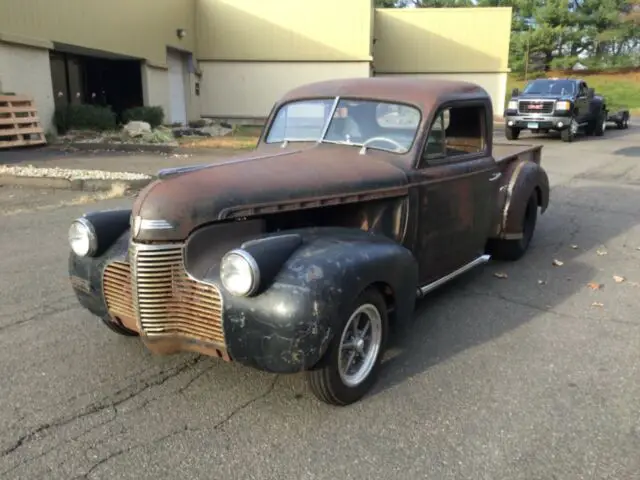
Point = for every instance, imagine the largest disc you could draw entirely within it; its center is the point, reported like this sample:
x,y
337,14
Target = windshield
x,y
555,87
380,125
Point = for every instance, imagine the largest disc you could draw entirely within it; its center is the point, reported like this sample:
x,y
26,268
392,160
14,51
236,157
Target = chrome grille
x,y
170,303
535,106
116,282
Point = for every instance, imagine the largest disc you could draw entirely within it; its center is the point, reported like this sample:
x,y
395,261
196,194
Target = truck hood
x,y
170,208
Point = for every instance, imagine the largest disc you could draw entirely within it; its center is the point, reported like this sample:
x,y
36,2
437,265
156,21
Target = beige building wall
x,y
155,88
252,51
469,44
130,28
137,28
248,90
284,30
26,70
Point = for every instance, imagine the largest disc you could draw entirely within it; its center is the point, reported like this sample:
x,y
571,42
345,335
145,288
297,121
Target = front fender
x,y
86,274
526,178
288,326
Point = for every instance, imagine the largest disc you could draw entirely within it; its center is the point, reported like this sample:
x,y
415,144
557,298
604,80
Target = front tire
x,y
512,133
511,250
569,133
351,365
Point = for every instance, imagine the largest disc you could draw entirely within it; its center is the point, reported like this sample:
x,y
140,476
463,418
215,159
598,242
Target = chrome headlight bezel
x,y
83,231
512,105
563,105
245,266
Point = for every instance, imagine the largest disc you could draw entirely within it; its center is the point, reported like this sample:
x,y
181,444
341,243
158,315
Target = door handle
x,y
495,177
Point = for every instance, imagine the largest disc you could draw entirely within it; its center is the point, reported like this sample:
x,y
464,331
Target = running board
x,y
422,291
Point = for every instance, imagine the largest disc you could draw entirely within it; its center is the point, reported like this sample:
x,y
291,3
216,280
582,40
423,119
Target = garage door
x,y
178,105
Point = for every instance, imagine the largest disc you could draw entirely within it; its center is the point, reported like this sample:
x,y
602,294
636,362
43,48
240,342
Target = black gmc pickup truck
x,y
564,105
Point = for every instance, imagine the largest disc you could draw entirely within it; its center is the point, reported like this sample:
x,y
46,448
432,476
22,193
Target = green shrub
x,y
154,116
84,117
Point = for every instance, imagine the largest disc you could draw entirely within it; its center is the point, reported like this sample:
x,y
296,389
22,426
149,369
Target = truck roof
x,y
423,92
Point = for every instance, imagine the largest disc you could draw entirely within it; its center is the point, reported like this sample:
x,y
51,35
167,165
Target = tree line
x,y
560,34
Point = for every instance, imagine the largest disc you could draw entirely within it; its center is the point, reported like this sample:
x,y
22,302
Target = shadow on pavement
x,y
451,321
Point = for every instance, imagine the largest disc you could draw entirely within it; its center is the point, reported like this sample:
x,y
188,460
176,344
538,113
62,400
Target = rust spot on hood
x,y
266,182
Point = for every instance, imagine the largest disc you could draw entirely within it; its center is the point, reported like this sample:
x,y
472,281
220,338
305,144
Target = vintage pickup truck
x,y
362,196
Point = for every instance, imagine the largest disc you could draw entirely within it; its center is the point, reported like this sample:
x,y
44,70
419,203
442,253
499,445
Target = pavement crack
x,y
46,312
117,399
124,451
245,405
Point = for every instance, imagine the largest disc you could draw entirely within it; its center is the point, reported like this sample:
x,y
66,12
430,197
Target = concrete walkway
x,y
145,162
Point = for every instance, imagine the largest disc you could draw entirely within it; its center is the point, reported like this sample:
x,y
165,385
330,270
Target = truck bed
x,y
505,152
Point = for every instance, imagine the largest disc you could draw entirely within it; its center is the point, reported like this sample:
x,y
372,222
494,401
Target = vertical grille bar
x,y
168,302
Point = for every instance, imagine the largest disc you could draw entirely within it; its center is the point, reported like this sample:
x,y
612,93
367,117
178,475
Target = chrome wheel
x,y
604,123
360,345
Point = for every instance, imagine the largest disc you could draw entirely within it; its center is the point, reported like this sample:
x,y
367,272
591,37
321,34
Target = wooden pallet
x,y
19,122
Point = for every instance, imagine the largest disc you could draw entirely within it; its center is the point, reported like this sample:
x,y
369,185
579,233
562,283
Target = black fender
x,y
108,226
287,325
526,178
86,273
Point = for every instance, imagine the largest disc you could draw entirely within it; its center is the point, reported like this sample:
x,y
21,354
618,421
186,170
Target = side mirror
x,y
591,93
515,92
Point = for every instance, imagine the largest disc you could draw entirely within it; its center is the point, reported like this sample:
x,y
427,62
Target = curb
x,y
118,147
82,185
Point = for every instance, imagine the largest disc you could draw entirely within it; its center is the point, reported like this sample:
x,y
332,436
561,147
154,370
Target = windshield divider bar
x,y
334,107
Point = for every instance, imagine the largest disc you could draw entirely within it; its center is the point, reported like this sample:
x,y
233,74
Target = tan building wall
x,y
462,43
129,28
248,90
281,30
137,28
253,51
26,70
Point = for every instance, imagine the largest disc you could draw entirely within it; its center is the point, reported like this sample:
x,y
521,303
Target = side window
x,y
583,89
455,131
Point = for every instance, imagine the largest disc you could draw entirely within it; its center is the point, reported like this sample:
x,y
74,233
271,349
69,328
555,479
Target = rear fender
x,y
525,178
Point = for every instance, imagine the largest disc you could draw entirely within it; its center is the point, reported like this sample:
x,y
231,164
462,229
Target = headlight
x,y
564,105
239,273
513,105
82,238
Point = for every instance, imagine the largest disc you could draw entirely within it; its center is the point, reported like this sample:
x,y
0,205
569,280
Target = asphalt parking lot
x,y
532,376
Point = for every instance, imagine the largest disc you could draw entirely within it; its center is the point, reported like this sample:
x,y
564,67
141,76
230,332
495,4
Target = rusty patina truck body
x,y
361,196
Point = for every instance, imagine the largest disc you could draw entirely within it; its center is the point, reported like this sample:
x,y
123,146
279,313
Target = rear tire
x,y
512,133
118,328
601,124
351,365
511,250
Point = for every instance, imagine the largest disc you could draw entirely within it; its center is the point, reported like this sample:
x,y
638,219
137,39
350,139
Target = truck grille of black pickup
x,y
528,106
167,301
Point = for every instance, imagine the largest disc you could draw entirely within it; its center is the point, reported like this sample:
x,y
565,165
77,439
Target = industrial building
x,y
231,59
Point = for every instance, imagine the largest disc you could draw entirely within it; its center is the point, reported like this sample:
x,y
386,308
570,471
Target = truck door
x,y
456,182
582,103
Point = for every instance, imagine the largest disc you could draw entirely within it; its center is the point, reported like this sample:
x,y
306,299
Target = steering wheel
x,y
399,147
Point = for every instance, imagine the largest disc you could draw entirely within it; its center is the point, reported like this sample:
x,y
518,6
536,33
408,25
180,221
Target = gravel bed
x,y
68,173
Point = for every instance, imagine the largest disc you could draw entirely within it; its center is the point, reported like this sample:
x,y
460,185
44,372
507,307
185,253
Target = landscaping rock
x,y
137,128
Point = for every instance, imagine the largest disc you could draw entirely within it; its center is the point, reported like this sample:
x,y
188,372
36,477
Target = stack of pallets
x,y
19,122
